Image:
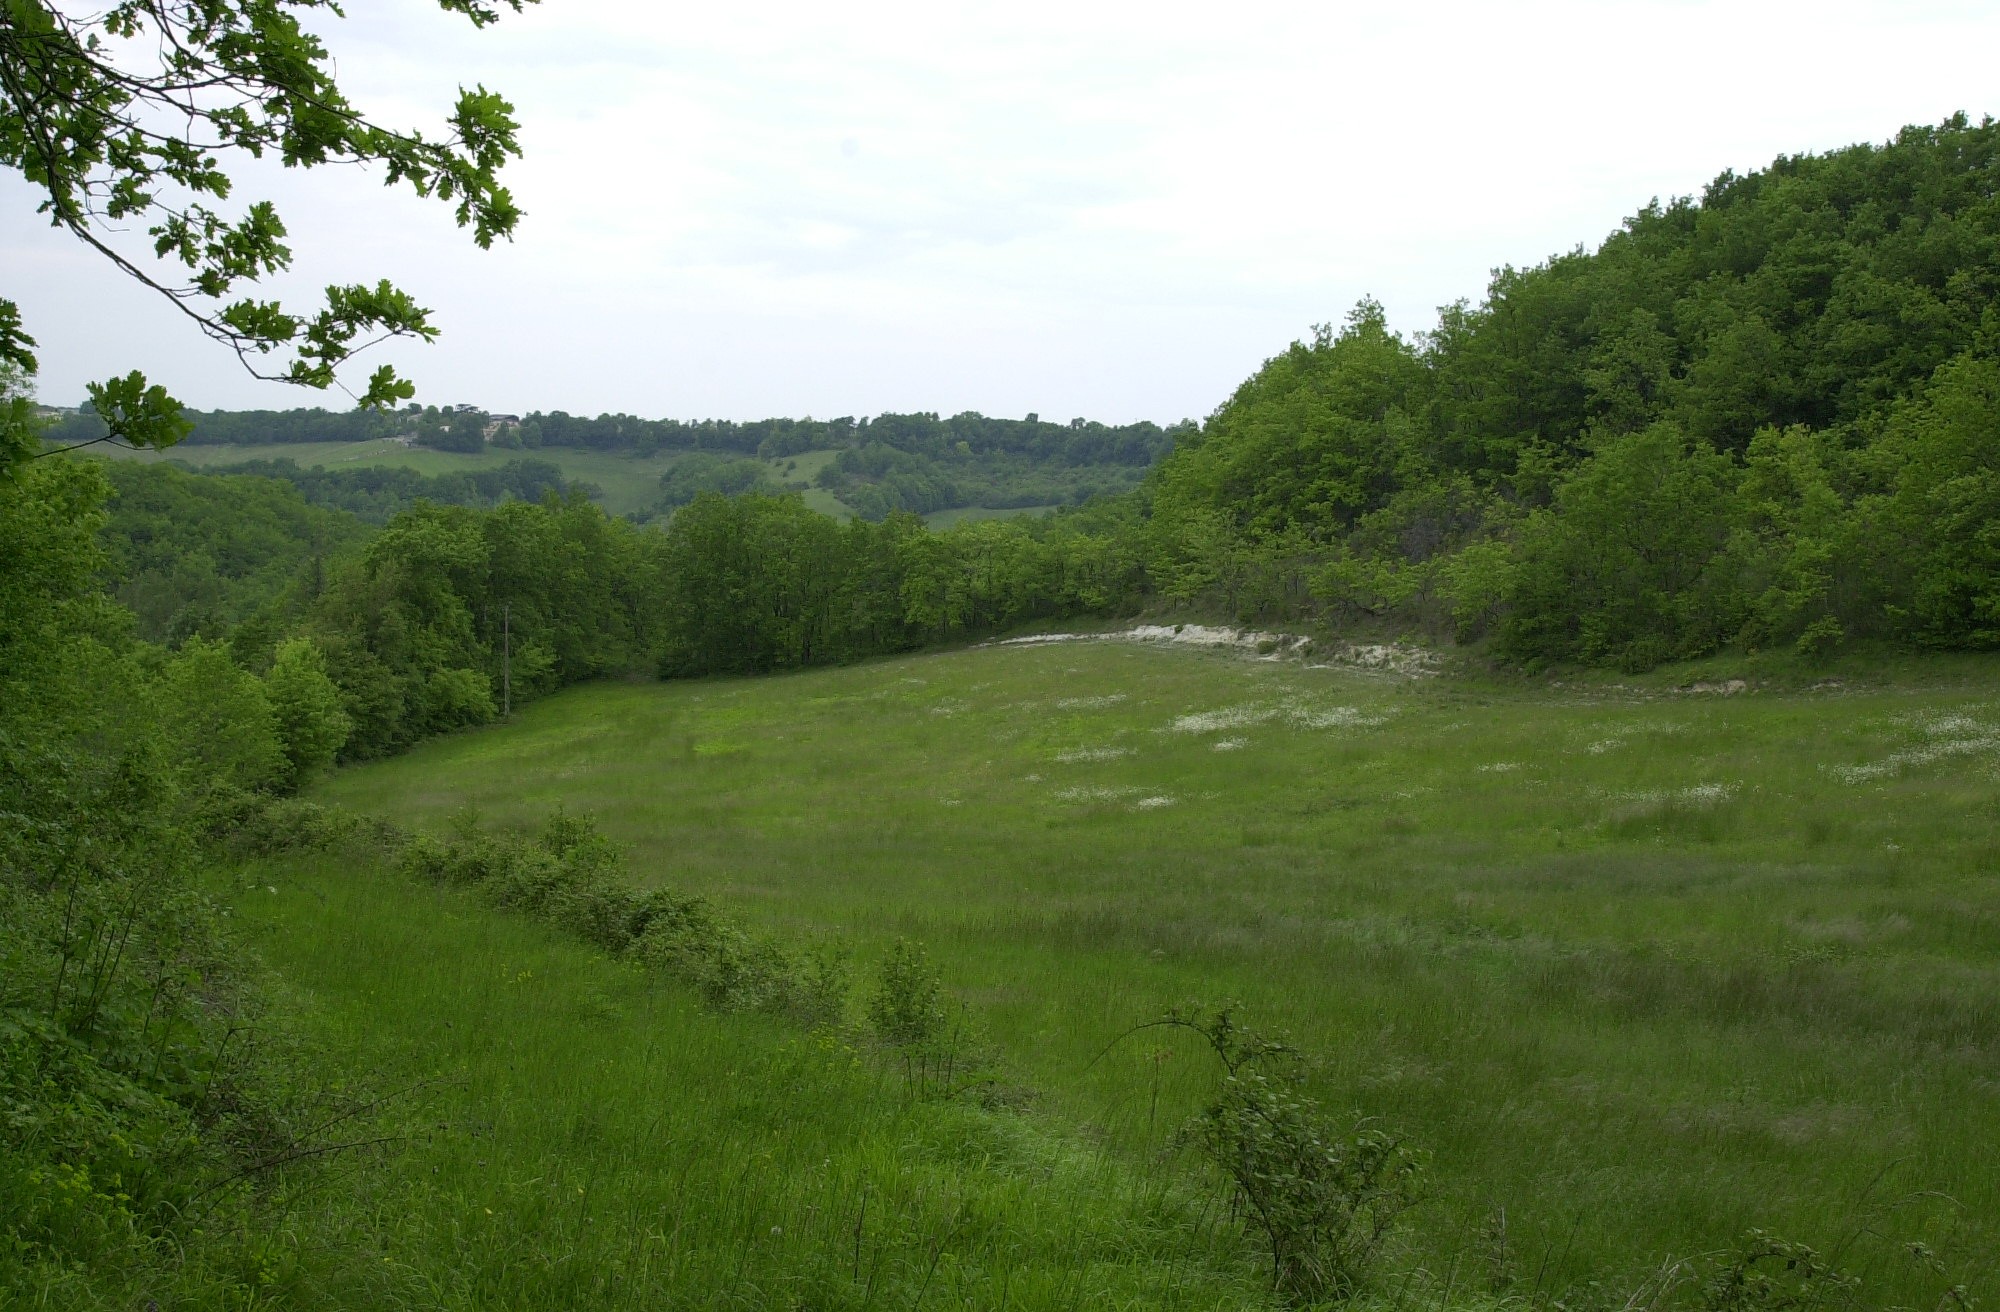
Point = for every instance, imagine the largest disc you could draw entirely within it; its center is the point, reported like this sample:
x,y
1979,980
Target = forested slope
x,y
1770,414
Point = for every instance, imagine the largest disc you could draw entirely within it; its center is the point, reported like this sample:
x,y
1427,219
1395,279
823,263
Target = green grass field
x,y
629,482
969,514
801,468
572,1135
1639,969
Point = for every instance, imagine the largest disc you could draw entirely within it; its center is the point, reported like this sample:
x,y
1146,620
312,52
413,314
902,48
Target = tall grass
x,y
1639,970
576,1135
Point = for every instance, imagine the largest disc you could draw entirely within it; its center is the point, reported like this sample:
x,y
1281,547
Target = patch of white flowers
x,y
1298,714
1947,735
1095,793
1090,703
1694,795
1074,755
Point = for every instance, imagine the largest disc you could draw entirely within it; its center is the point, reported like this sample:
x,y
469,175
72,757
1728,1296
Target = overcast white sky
x,y
1079,208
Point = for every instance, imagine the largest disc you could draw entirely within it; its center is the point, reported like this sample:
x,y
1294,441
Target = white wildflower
x,y
1075,754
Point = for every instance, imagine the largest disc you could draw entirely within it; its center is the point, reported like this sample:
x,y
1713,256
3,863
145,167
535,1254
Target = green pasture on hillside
x,y
826,503
1640,969
968,514
801,468
629,483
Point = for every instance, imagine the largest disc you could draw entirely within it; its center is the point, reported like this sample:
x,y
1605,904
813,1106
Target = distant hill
x,y
917,462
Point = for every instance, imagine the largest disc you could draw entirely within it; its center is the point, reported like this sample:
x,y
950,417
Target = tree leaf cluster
x,y
127,119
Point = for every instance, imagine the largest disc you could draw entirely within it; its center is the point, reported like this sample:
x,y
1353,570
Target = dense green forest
x,y
196,555
1765,417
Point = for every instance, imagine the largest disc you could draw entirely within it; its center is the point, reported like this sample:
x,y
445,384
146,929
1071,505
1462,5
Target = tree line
x,y
374,493
1077,442
916,462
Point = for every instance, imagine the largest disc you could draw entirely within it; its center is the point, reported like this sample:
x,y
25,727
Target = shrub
x,y
266,826
907,1009
1820,638
1634,564
1324,1198
219,721
453,699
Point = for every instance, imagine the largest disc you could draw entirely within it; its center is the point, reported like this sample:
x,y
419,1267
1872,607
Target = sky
x,y
1104,210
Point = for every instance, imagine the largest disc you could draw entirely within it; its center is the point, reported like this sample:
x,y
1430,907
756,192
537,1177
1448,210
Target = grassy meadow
x,y
629,483
569,1134
1639,969
972,514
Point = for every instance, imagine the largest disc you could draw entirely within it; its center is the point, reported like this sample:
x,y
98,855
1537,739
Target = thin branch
x,y
65,450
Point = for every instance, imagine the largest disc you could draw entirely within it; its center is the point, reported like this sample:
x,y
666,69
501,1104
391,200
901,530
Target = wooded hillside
x,y
1770,414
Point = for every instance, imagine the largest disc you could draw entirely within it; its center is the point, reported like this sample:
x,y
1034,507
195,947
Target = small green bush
x,y
907,1009
1820,638
1324,1198
306,711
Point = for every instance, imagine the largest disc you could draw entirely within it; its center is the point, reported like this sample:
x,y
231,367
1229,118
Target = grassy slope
x,y
803,467
796,473
967,514
585,1138
1642,970
629,483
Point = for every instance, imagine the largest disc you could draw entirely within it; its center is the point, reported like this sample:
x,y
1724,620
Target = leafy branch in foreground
x,y
127,116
